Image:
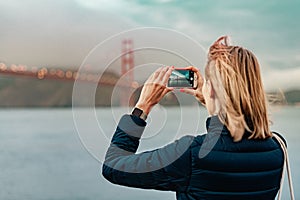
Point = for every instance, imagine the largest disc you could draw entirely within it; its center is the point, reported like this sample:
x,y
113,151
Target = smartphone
x,y
181,78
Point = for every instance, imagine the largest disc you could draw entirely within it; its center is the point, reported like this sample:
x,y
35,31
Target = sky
x,y
63,32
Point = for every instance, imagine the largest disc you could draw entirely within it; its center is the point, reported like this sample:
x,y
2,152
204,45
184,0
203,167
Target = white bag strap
x,y
288,170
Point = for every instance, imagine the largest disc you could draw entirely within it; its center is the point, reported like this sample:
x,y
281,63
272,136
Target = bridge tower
x,y
127,65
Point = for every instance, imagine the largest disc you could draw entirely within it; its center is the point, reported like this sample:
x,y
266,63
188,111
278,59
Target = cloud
x,y
104,5
53,32
282,79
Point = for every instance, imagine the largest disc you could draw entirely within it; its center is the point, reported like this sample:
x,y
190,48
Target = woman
x,y
237,159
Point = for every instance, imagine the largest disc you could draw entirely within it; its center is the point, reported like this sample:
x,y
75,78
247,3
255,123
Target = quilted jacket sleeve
x,y
166,168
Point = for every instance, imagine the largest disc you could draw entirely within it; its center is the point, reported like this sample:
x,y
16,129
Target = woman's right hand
x,y
197,92
154,89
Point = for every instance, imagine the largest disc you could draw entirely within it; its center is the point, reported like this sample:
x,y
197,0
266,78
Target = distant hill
x,y
293,96
28,92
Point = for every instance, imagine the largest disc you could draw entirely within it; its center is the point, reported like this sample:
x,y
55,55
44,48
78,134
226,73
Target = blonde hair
x,y
234,73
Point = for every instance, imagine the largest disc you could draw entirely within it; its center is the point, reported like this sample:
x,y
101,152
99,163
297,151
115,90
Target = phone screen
x,y
181,78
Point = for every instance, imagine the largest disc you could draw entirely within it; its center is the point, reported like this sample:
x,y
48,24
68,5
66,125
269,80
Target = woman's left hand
x,y
154,89
196,92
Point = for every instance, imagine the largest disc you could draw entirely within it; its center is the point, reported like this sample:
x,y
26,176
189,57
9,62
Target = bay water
x,y
56,154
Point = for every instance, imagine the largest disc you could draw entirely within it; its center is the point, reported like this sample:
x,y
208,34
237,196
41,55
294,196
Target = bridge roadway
x,y
63,75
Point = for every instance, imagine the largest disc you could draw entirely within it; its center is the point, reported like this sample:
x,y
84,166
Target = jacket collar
x,y
213,124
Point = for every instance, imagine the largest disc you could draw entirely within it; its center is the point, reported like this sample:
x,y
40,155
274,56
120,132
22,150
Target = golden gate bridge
x,y
42,73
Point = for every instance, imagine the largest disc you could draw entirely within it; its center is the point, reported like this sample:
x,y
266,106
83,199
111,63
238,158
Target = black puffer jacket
x,y
210,166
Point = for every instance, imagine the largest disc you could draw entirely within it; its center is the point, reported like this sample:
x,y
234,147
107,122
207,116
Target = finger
x,y
198,74
162,73
188,91
167,75
151,77
194,69
157,72
154,75
167,90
